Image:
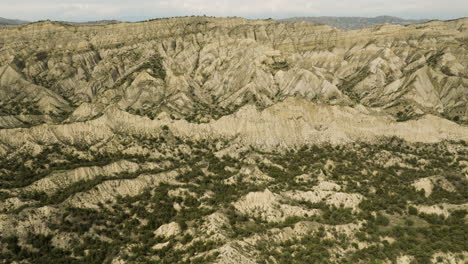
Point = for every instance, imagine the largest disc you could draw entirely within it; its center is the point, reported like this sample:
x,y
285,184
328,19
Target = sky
x,y
137,10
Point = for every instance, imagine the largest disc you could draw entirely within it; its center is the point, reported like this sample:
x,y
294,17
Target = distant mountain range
x,y
6,21
90,23
349,23
346,23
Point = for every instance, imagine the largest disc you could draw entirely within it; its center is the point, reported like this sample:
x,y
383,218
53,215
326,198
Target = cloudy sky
x,y
133,10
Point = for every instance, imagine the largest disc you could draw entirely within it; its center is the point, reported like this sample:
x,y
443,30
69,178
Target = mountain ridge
x,y
227,140
6,21
352,23
272,68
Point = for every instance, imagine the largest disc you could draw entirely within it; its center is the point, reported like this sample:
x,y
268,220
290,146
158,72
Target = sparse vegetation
x,y
280,65
388,209
285,181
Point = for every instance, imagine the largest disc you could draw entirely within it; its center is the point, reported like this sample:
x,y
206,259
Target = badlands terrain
x,y
226,140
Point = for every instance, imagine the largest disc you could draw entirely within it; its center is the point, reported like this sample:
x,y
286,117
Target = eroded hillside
x,y
163,199
203,140
203,68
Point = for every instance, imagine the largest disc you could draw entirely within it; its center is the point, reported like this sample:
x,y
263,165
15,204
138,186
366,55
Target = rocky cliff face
x,y
203,68
203,140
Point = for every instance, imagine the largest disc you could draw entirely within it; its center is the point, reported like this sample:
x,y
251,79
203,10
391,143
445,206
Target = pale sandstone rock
x,y
443,209
213,225
304,178
427,184
327,186
168,230
268,206
12,204
60,180
231,60
405,259
64,240
85,112
348,200
109,190
289,123
249,174
449,258
228,254
160,245
34,220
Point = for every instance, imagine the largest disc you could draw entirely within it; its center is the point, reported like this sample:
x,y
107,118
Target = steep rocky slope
x,y
203,140
202,68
